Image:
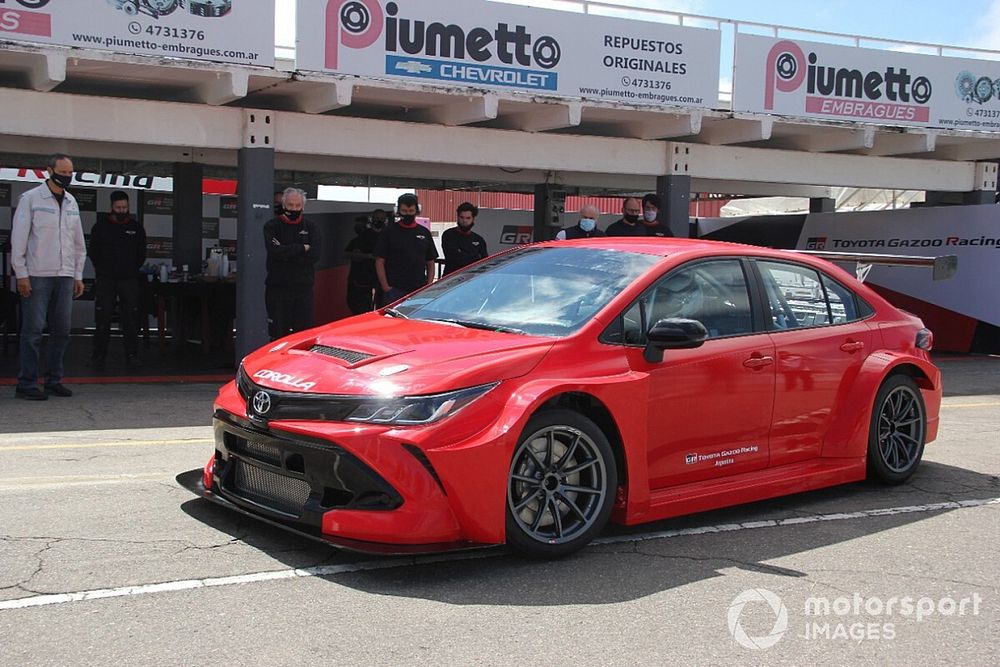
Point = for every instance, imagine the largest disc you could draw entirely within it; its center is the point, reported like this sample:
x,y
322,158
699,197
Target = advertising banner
x,y
970,232
480,44
822,81
224,31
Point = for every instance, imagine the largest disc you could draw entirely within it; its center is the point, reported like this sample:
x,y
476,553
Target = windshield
x,y
535,291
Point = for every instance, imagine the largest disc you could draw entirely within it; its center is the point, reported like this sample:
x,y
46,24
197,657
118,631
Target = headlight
x,y
411,410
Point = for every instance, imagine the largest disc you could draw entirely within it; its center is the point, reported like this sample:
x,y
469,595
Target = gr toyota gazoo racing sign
x,y
226,31
481,44
823,81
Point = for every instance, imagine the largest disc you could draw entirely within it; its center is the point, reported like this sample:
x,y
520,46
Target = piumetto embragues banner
x,y
795,78
224,31
481,44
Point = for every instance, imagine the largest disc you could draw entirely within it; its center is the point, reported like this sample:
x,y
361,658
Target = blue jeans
x,y
51,302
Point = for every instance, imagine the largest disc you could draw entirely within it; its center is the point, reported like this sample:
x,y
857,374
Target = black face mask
x,y
60,180
407,219
293,215
279,209
377,225
631,219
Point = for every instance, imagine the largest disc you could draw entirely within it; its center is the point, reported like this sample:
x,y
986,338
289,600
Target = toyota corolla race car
x,y
536,395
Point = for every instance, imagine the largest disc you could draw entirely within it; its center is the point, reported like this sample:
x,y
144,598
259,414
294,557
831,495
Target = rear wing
x,y
944,266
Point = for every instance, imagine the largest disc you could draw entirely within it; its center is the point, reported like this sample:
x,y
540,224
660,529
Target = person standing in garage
x,y
586,227
651,218
117,251
47,255
460,244
293,245
405,254
630,223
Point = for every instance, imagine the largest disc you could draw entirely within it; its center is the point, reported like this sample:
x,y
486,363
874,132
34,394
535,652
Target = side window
x,y
843,305
795,296
714,293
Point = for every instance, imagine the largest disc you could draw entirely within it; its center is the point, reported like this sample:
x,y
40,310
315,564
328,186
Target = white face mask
x,y
649,216
587,224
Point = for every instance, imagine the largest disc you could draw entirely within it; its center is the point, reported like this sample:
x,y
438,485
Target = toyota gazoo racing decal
x,y
158,8
441,50
890,94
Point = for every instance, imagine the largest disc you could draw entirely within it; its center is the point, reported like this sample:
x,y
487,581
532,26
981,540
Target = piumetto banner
x,y
225,31
795,78
481,44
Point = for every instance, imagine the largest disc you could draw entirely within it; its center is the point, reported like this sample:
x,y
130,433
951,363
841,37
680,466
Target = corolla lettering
x,y
285,379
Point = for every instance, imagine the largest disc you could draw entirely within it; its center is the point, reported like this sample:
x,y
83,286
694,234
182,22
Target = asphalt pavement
x,y
106,559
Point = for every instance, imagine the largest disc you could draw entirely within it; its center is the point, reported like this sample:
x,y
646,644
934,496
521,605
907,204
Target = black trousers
x,y
125,293
360,298
289,309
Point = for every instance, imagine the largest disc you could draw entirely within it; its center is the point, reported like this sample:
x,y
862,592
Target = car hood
x,y
373,354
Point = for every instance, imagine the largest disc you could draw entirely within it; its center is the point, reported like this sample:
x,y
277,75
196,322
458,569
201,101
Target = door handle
x,y
758,362
852,346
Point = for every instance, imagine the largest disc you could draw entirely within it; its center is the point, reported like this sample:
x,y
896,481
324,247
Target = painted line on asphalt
x,y
971,405
367,566
114,443
61,481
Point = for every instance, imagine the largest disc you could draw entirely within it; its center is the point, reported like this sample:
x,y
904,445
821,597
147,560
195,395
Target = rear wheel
x,y
561,486
898,430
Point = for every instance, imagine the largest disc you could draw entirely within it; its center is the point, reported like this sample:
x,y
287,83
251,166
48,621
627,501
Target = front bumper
x,y
357,488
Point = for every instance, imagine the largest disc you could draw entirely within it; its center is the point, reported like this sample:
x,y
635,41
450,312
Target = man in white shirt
x,y
48,254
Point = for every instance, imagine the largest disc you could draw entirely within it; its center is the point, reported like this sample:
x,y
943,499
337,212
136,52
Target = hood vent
x,y
350,356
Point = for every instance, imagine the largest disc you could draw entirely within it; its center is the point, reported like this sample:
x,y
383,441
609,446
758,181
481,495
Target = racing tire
x,y
561,486
898,430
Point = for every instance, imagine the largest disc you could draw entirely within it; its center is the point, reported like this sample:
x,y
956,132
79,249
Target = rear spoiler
x,y
944,266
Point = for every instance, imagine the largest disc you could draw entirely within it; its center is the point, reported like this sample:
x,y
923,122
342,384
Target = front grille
x,y
350,356
261,451
277,492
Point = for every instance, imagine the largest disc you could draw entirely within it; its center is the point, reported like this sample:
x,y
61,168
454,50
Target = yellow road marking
x,y
78,480
994,404
118,443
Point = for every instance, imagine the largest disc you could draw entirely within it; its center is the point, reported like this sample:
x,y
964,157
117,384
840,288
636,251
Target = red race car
x,y
536,395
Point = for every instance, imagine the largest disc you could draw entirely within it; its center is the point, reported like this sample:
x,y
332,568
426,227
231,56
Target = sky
x,y
965,23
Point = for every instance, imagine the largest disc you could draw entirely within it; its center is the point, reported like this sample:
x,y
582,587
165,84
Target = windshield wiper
x,y
477,325
392,312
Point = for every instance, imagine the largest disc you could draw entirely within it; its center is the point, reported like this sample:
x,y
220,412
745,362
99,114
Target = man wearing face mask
x,y
293,245
650,217
587,226
47,256
361,280
117,251
405,254
460,244
631,220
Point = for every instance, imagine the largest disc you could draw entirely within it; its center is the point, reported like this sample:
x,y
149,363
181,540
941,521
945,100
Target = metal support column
x,y
822,205
550,204
255,189
675,198
187,216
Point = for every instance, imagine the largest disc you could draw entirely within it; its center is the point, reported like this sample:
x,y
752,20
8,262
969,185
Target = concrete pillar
x,y
675,197
255,191
187,215
822,205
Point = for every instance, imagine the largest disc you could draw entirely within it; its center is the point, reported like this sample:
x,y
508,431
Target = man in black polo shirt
x,y
651,217
293,246
461,245
404,254
117,251
631,220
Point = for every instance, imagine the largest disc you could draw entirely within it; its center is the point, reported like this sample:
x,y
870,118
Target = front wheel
x,y
898,430
561,486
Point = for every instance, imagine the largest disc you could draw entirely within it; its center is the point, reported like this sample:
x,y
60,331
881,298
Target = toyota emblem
x,y
262,403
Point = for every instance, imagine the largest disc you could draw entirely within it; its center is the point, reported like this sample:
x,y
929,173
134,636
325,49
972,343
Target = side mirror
x,y
673,334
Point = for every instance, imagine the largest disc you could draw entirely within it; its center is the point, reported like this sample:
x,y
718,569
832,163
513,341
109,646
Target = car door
x,y
820,343
709,409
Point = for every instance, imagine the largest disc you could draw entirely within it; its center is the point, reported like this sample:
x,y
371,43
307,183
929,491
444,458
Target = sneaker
x,y
58,389
30,394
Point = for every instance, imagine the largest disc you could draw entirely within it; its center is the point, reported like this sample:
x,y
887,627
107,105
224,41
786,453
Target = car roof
x,y
665,247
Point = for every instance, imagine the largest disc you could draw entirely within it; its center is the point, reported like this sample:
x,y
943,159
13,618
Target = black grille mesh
x,y
258,450
278,492
350,356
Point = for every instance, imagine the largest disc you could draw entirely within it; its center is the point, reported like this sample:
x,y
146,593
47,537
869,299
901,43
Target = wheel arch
x,y
595,410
